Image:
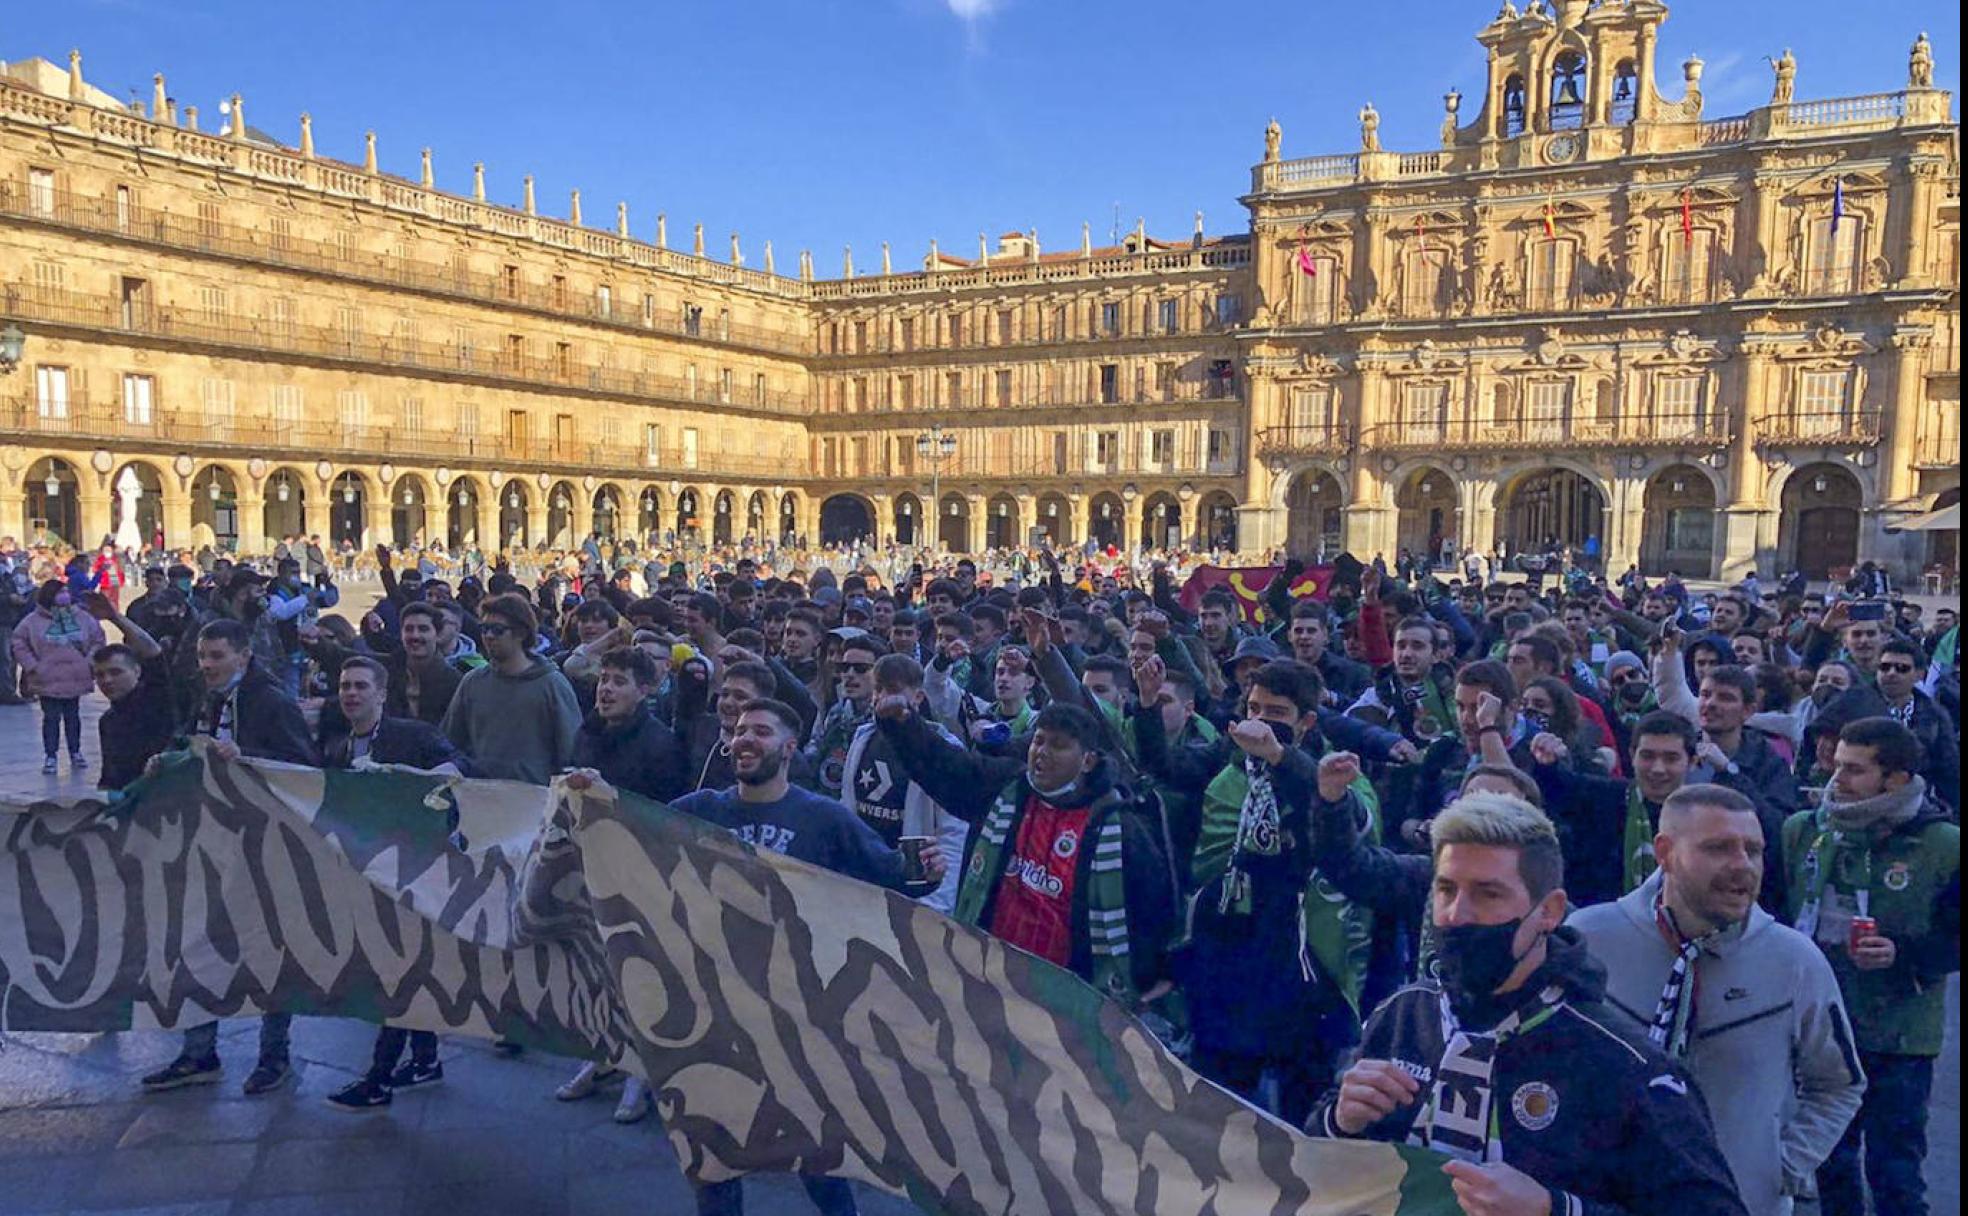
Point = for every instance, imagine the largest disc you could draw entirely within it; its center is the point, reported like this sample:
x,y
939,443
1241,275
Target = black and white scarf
x,y
1459,1117
1675,1013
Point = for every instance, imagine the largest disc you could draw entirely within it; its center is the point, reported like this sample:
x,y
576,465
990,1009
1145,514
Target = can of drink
x,y
1862,927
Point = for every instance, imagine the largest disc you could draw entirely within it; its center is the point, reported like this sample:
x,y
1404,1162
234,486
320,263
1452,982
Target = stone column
x,y
1130,526
975,523
536,519
252,519
1627,508
97,516
1903,422
314,516
13,515
1913,255
177,515
1744,506
1081,509
580,516
378,517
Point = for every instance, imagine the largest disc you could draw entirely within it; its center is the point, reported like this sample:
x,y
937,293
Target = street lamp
x,y
13,343
935,446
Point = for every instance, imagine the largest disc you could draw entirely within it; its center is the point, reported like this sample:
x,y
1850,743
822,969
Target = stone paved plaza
x,y
76,1135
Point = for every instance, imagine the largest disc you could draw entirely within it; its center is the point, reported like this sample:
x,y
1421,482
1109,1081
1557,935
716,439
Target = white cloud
x,y
971,10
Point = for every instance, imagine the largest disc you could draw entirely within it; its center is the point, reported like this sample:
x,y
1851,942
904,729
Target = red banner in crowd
x,y
1249,583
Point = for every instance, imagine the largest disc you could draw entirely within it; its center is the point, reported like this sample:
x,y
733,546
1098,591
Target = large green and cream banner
x,y
786,1018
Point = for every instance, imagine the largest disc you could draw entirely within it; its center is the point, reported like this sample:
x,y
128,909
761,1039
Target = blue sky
x,y
820,123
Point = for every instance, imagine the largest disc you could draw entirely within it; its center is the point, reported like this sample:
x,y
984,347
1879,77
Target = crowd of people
x,y
1623,897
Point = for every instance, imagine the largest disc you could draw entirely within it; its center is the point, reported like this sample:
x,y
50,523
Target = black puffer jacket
x,y
1583,1103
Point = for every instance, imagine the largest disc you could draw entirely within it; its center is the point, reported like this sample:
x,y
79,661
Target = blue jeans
x,y
1886,1144
202,1042
58,713
833,1196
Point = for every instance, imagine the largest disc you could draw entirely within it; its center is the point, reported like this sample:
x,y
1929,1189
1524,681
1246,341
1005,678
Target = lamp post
x,y
935,446
13,343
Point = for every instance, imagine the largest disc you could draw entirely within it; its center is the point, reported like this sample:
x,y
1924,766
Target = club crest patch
x,y
1535,1104
1897,876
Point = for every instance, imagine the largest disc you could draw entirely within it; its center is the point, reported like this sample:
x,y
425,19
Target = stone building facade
x,y
1593,315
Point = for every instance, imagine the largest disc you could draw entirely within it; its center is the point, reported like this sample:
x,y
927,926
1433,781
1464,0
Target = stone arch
x,y
1427,510
53,487
758,515
283,510
1053,515
953,523
845,518
1678,521
515,514
138,517
1216,521
464,506
560,515
1315,502
649,512
1161,521
724,517
607,510
1821,514
1105,512
410,500
1002,523
215,506
909,525
1556,503
348,508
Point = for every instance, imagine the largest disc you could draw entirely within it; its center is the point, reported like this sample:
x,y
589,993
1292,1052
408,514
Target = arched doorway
x,y
1055,519
1677,526
1218,514
513,515
1001,523
139,504
347,509
560,516
689,519
1313,514
408,500
215,508
756,513
1819,524
908,519
285,511
1425,512
649,515
53,509
1546,509
1161,522
607,504
721,517
789,518
1104,516
844,519
953,524
463,499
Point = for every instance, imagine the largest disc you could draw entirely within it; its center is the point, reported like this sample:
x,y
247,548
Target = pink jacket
x,y
53,649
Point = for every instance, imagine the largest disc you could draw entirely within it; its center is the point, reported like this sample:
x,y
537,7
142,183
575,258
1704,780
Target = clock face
x,y
1561,148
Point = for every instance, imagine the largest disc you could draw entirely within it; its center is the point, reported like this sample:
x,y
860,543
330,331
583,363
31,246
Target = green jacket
x,y
1912,877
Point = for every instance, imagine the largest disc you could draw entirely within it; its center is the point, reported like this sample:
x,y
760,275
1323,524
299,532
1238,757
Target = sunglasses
x,y
1902,668
855,669
487,629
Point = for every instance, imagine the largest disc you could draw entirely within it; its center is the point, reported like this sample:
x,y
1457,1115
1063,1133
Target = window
x,y
906,391
1546,406
515,351
138,392
1004,326
605,302
344,245
758,388
50,278
1317,293
908,333
861,394
1161,448
284,405
348,322
1834,256
1689,259
860,337
1110,318
1222,447
51,392
1165,381
1106,449
648,310
1677,406
693,320
563,359
352,409
557,291
1821,402
724,325
1061,319
652,444
519,429
1003,383
468,420
461,342
280,316
509,280
280,234
1110,382
216,397
956,329
724,385
214,303
208,222
1222,379
41,191
1168,316
1311,412
125,208
413,414
1428,283
1424,413
690,381
611,430
953,384
1229,309
689,453
1551,273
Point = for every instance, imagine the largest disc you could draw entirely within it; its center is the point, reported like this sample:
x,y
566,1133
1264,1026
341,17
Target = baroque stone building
x,y
1592,314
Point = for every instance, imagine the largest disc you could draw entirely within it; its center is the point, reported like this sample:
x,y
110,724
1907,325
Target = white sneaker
x,y
583,1084
635,1104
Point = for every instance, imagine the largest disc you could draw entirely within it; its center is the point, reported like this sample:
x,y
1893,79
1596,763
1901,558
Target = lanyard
x,y
1815,880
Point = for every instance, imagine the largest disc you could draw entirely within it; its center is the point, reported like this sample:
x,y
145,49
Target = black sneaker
x,y
359,1096
413,1074
267,1076
182,1072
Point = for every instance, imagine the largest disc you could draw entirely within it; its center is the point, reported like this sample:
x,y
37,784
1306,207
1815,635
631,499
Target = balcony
x,y
100,422
180,233
1939,445
111,316
943,352
1012,271
1040,468
1675,432
1204,397
1820,428
1284,442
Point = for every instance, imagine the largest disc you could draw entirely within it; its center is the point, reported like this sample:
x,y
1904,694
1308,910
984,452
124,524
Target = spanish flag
x,y
1550,216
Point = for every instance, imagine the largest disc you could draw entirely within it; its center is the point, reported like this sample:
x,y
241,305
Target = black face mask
x,y
1633,692
1471,960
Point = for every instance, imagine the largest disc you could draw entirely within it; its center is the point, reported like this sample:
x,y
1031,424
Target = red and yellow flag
x,y
1249,583
1550,216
